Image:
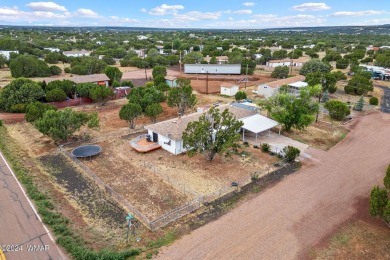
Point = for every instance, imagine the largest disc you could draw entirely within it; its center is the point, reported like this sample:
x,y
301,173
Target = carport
x,y
257,124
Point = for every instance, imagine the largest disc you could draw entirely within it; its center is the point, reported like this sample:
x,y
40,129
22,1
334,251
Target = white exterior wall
x,y
76,54
7,54
266,91
176,147
212,69
229,91
277,64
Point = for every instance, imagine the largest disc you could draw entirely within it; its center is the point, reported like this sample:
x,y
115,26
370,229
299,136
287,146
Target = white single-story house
x,y
270,89
295,87
286,62
77,53
229,89
168,134
171,81
220,59
99,79
7,54
212,68
53,49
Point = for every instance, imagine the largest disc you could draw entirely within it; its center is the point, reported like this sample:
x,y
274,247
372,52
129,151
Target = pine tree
x,y
325,97
359,105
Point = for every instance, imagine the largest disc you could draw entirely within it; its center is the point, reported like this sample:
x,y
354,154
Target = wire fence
x,y
176,213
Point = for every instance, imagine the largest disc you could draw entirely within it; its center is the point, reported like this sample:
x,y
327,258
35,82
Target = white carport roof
x,y
258,123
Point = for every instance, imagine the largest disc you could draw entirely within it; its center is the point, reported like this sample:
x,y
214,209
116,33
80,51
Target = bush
x,y
374,101
35,110
18,108
386,213
56,95
55,70
378,201
337,110
386,180
240,95
265,147
68,70
280,72
1,122
127,83
290,153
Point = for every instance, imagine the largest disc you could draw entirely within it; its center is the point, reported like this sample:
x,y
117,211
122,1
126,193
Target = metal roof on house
x,y
258,123
287,81
174,128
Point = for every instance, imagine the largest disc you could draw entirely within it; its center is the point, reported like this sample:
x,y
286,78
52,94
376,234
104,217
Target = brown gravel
x,y
285,221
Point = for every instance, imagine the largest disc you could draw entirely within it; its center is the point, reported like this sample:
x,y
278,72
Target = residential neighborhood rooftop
x,y
281,82
174,128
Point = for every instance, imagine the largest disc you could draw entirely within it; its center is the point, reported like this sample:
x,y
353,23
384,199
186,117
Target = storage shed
x,y
229,89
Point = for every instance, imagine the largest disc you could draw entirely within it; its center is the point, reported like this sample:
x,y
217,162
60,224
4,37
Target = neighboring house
x,y
212,68
99,79
311,46
142,37
270,89
140,53
257,56
286,62
372,48
7,54
53,49
171,81
229,89
220,59
295,87
77,53
168,134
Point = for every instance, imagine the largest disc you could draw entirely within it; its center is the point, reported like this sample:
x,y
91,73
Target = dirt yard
x,y
158,182
319,135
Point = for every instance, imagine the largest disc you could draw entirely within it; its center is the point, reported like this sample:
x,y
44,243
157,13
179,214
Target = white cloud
x,y
248,3
358,13
143,10
165,9
243,12
9,11
311,7
265,16
86,13
46,6
197,16
115,20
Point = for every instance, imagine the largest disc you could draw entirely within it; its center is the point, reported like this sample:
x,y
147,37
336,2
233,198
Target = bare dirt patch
x,y
320,135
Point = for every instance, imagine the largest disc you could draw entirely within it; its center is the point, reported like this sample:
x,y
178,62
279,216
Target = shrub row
x,y
66,238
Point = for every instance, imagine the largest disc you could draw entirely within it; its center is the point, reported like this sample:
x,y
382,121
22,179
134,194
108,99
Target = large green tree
x,y
337,110
292,111
358,85
182,98
159,71
314,65
28,66
145,96
100,94
130,112
62,124
113,73
194,57
214,133
67,86
280,72
153,111
20,91
36,110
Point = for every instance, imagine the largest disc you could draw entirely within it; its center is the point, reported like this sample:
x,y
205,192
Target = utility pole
x,y
207,82
180,63
146,75
246,77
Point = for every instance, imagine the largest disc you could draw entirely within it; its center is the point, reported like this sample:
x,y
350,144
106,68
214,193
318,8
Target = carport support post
x,y
243,134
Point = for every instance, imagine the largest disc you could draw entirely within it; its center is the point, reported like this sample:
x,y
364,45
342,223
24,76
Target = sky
x,y
224,14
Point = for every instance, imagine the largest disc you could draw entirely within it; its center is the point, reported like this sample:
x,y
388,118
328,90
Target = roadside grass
x,y
360,240
66,237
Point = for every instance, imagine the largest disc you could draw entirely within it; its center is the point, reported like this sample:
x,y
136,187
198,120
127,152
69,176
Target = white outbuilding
x,y
229,89
257,124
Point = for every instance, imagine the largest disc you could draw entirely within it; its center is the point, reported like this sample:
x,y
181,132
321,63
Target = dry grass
x,y
358,241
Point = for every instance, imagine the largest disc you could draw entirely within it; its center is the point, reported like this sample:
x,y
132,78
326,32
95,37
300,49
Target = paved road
x,y
19,223
287,220
385,103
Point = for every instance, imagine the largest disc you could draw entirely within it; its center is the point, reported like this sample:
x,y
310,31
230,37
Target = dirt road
x,y
22,234
287,220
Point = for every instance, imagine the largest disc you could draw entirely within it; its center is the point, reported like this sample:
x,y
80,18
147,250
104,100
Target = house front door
x,y
155,137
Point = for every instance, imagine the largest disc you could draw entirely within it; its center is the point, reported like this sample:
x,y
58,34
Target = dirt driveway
x,y
287,220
